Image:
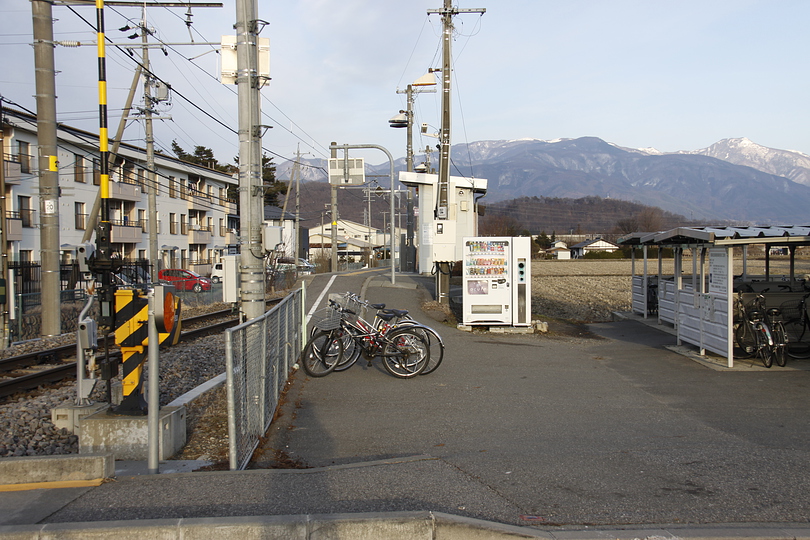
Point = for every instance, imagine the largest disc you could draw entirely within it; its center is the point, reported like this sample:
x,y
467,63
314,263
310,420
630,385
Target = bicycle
x,y
797,324
385,320
404,351
759,332
324,350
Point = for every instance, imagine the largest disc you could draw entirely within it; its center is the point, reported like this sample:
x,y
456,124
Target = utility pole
x,y
151,178
408,263
4,311
297,169
447,13
47,166
251,193
333,189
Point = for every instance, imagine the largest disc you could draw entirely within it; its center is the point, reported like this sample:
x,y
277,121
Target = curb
x,y
390,525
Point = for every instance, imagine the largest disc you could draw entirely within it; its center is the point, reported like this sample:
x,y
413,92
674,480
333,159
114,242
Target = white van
x,y
217,273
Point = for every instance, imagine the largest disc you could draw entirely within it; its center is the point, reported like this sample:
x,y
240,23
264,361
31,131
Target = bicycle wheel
x,y
798,338
780,343
746,341
405,353
351,350
434,341
764,350
322,353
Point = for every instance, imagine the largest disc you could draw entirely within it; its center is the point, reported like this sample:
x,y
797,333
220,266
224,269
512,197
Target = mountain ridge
x,y
731,180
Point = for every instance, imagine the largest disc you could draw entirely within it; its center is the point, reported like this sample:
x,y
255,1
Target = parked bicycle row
x,y
340,335
772,333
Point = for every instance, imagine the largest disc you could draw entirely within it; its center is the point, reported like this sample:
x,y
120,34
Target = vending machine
x,y
497,280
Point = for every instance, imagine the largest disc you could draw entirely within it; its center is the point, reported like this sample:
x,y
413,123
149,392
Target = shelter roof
x,y
784,234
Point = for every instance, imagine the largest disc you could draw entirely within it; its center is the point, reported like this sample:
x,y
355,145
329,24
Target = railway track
x,y
30,370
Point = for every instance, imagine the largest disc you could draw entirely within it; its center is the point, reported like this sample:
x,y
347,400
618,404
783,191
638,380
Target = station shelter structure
x,y
704,304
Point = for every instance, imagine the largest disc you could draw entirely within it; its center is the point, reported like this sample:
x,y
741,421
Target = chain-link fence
x,y
259,354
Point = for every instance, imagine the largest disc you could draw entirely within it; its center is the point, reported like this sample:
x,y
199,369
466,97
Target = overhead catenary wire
x,y
190,101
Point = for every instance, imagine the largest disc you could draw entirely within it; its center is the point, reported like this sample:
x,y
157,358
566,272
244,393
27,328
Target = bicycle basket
x,y
791,310
326,319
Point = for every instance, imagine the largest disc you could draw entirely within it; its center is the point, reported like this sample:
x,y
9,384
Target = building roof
x,y
592,241
275,213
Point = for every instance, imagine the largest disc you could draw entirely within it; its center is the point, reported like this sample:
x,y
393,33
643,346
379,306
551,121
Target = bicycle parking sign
x,y
718,270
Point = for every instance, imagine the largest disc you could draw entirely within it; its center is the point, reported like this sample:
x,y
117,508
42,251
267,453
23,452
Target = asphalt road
x,y
605,428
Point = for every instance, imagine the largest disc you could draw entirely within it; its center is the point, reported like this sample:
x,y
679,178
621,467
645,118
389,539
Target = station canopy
x,y
797,235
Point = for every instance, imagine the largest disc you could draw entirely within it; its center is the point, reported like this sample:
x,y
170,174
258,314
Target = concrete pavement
x,y
594,432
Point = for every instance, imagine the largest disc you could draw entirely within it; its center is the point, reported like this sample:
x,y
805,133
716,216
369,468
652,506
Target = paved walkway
x,y
598,433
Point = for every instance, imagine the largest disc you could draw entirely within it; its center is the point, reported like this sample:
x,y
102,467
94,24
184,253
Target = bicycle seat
x,y
398,312
377,306
774,312
385,316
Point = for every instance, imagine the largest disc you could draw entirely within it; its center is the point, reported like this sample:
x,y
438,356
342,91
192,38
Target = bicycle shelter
x,y
697,304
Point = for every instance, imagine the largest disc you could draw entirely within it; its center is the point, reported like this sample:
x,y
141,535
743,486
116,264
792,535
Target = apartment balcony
x,y
199,201
13,170
231,238
125,191
231,208
13,227
126,232
199,235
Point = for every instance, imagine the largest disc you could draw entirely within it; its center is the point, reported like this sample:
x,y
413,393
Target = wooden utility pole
x,y
447,12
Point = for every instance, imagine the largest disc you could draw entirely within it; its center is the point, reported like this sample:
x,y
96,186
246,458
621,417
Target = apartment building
x,y
197,222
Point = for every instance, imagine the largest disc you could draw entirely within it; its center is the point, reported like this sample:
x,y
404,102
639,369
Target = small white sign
x,y
50,206
718,271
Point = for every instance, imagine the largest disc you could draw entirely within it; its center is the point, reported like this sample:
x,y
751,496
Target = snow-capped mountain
x,y
741,151
733,179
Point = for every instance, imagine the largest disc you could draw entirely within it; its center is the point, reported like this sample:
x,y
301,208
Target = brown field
x,y
588,290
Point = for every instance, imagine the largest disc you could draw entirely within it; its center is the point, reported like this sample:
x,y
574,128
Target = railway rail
x,y
30,370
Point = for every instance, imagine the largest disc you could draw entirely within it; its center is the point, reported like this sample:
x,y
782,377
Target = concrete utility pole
x,y
251,193
48,167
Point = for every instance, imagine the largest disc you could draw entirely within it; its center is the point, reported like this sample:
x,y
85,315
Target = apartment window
x,y
78,168
26,213
128,173
25,157
141,180
81,215
142,218
173,223
172,187
26,255
142,254
183,224
222,226
96,172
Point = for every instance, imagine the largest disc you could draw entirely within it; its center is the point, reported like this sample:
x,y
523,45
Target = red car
x,y
185,280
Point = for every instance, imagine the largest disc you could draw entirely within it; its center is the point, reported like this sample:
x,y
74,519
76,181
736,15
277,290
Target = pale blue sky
x,y
670,75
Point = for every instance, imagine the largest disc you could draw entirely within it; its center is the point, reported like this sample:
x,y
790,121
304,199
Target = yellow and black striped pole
x,y
103,260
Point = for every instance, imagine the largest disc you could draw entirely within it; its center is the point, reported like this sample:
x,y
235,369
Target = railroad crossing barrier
x,y
259,354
